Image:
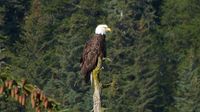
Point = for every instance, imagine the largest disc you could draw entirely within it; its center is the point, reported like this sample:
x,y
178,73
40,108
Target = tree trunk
x,y
97,87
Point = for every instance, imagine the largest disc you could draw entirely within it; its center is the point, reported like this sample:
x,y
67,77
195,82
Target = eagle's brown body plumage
x,y
93,49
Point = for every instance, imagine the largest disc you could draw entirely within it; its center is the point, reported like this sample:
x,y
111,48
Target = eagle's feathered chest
x,y
97,44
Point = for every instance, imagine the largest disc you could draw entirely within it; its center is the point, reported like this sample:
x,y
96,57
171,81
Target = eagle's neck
x,y
101,35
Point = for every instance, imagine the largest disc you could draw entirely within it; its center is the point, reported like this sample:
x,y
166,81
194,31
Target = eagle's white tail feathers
x,y
91,78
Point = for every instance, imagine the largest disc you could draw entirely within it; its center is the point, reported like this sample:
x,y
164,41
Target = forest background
x,y
154,47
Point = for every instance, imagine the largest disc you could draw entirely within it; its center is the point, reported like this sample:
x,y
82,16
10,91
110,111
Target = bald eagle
x,y
94,48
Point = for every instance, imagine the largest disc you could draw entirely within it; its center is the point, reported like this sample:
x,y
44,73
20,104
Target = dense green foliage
x,y
154,47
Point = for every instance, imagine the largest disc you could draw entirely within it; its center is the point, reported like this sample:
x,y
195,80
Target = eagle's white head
x,y
102,29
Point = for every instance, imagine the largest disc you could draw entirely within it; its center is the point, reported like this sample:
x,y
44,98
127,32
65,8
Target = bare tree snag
x,y
97,87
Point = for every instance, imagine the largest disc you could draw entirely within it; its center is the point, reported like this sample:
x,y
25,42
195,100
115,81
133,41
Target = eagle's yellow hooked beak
x,y
108,30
